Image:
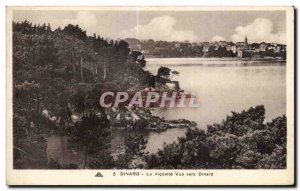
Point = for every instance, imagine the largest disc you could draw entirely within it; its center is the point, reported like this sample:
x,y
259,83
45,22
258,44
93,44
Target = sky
x,y
179,25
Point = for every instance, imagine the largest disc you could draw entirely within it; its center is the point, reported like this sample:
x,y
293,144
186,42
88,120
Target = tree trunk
x,y
104,72
85,157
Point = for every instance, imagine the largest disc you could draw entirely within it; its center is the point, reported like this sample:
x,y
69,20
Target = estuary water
x,y
221,86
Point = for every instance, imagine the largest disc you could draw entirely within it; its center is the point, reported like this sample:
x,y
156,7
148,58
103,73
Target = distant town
x,y
263,50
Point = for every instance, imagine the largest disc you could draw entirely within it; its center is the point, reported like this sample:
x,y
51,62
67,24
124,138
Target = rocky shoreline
x,y
143,119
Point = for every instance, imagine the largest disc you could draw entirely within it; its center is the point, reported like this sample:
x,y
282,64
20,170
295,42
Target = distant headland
x,y
166,49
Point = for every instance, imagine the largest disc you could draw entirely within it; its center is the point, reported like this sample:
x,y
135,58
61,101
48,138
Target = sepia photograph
x,y
143,93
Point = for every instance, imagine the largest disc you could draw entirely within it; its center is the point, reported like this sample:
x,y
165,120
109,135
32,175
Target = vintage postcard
x,y
150,96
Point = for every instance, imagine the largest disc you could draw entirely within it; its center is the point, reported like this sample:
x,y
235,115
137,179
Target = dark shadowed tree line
x,y
54,68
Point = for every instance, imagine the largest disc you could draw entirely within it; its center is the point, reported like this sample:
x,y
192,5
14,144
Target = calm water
x,y
59,149
224,85
221,86
155,139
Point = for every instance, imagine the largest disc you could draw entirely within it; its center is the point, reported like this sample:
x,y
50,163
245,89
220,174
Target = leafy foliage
x,y
134,152
54,164
241,141
94,134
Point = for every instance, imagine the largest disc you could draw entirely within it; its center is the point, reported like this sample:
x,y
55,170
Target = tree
x,y
175,73
240,141
163,72
76,31
134,152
